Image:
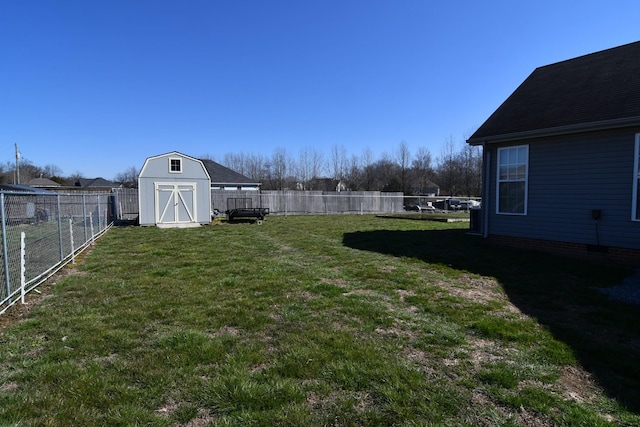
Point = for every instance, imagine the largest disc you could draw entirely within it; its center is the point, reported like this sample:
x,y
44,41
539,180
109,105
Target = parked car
x,y
454,204
469,204
420,208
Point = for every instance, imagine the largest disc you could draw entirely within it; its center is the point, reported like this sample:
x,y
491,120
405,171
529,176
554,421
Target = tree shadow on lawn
x,y
560,293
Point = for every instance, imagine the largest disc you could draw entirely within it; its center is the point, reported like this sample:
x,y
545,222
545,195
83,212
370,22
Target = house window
x,y
175,165
513,170
635,202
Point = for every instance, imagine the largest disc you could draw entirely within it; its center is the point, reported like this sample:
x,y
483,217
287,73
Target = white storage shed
x,y
174,190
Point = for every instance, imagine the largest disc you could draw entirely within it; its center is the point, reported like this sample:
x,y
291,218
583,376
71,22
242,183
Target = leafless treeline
x,y
454,172
26,171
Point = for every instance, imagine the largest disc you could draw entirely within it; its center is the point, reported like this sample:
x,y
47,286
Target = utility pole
x,y
16,179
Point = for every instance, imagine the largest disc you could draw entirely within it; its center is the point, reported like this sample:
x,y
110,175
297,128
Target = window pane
x,y
635,213
513,172
504,172
511,197
512,179
638,200
522,155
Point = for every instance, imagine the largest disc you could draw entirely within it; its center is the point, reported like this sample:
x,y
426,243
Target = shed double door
x,y
175,203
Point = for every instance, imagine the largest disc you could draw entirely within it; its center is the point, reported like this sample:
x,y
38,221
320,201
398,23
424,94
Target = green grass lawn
x,y
321,320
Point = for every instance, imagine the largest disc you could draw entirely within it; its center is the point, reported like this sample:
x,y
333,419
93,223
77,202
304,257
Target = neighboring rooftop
x,y
94,182
222,175
24,189
43,182
599,89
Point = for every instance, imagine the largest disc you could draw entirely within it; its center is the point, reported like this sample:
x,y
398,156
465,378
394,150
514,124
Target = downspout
x,y
486,176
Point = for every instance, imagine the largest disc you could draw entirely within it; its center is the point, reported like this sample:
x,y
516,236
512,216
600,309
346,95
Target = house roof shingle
x,y
222,175
94,182
43,182
599,89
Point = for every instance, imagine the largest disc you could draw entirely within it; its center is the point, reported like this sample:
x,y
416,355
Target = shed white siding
x,y
174,191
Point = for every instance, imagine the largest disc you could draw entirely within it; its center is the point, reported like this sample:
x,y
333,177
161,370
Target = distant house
x,y
43,183
326,185
21,188
223,178
427,188
562,159
94,183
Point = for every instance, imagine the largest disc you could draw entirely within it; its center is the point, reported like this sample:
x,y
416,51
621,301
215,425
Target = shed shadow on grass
x,y
559,292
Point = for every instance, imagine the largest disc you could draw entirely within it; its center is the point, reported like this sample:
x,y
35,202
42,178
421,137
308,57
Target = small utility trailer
x,y
241,208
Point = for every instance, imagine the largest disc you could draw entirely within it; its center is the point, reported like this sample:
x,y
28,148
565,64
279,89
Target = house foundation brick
x,y
604,254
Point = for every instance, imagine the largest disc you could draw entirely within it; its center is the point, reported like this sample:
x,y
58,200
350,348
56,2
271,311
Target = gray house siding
x,y
155,182
569,177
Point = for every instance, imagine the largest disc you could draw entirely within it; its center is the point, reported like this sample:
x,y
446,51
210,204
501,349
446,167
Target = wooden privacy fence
x,y
314,202
283,202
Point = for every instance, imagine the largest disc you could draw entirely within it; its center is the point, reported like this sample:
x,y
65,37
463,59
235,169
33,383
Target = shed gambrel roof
x,y
596,91
223,175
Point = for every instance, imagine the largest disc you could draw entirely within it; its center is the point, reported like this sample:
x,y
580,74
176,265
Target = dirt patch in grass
x,y
577,384
201,420
520,417
226,330
341,283
19,311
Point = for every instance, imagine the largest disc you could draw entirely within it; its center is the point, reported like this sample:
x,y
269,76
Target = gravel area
x,y
628,291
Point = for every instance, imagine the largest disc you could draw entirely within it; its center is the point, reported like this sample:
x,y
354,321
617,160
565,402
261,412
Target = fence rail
x,y
41,233
283,202
314,202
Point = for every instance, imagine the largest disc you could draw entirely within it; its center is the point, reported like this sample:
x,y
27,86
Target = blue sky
x,y
96,87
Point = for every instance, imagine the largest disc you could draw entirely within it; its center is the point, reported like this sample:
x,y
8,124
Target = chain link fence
x,y
41,233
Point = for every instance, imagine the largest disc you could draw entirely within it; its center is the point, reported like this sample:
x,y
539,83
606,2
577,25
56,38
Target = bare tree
x,y
51,171
403,157
279,169
128,178
422,170
470,161
448,168
338,161
256,167
317,164
235,162
6,172
353,178
75,177
386,174
303,169
367,170
24,172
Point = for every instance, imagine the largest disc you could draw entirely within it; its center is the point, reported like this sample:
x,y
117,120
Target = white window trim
x,y
498,182
179,161
636,180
